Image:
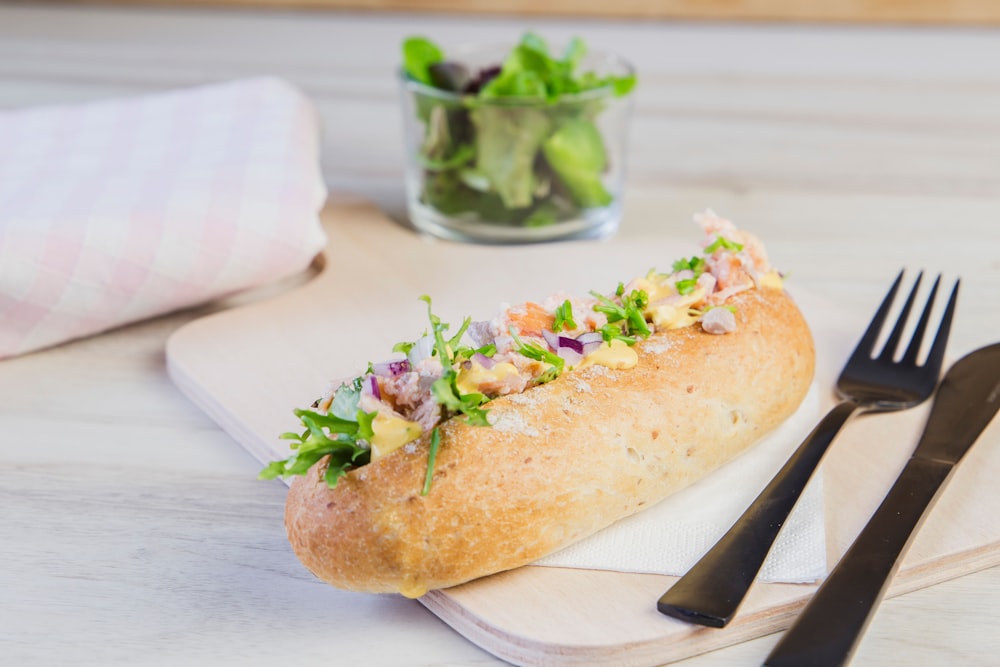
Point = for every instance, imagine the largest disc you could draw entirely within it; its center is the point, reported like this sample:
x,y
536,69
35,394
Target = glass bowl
x,y
516,170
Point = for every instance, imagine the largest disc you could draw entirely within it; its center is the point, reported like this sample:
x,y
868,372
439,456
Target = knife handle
x,y
829,629
713,589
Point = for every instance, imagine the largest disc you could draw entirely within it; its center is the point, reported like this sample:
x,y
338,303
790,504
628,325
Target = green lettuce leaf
x,y
501,160
419,53
575,152
507,142
325,435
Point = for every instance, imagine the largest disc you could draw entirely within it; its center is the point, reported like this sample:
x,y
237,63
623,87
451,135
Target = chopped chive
x,y
687,286
431,457
723,242
564,317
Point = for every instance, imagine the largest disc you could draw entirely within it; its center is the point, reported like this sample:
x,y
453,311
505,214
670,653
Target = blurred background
x,y
851,111
883,97
913,11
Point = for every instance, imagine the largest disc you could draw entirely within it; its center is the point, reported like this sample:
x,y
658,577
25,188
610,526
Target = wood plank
x,y
959,12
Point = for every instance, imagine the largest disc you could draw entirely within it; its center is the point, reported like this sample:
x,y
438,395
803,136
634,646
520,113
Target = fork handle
x,y
828,631
711,591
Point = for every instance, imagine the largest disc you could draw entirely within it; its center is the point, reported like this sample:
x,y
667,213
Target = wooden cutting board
x,y
249,367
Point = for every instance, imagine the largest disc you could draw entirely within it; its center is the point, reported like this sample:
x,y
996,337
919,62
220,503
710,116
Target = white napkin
x,y
670,537
115,211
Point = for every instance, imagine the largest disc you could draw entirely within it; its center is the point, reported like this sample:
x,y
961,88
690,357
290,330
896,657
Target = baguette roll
x,y
560,461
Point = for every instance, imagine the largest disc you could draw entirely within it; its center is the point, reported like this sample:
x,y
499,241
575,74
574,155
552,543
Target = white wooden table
x,y
132,528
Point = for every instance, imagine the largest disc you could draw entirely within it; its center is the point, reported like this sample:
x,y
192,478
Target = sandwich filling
x,y
448,374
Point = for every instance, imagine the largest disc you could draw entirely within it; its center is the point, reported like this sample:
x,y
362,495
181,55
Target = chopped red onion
x,y
573,349
591,341
552,338
421,350
393,368
571,343
483,360
569,355
719,321
373,386
481,333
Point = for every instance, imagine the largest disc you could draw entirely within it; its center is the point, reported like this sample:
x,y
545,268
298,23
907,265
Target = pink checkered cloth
x,y
116,211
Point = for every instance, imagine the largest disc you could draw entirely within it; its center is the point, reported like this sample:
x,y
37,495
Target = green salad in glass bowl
x,y
515,144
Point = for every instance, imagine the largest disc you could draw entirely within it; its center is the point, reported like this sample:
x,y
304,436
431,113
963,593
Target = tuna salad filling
x,y
449,373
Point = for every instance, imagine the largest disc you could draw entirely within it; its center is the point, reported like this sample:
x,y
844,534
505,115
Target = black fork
x,y
711,591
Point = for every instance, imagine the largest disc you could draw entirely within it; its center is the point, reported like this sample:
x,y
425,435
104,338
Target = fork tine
x,y
867,343
913,351
936,356
891,343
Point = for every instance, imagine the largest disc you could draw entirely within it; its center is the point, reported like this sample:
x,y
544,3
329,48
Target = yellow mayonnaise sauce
x,y
674,315
470,379
616,355
772,280
391,433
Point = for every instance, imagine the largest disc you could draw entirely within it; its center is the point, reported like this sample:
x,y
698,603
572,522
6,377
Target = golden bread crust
x,y
562,460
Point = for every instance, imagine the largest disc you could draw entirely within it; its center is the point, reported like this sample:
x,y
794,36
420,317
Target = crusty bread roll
x,y
561,461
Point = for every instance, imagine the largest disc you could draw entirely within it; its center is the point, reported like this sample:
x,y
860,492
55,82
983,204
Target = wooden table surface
x,y
132,529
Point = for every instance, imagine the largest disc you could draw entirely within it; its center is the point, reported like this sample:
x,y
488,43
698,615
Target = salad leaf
x,y
461,156
325,435
453,77
446,393
437,142
419,53
623,85
526,72
509,146
345,400
575,51
445,389
543,215
576,153
507,141
530,70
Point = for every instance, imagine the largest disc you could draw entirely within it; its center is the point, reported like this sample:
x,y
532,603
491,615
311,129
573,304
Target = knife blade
x,y
829,629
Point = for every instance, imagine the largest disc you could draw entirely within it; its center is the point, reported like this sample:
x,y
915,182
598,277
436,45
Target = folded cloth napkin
x,y
670,537
115,211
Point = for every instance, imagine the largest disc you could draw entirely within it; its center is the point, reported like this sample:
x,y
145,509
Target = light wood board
x,y
249,367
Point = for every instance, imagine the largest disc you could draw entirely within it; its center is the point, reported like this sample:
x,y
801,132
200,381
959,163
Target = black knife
x,y
829,629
